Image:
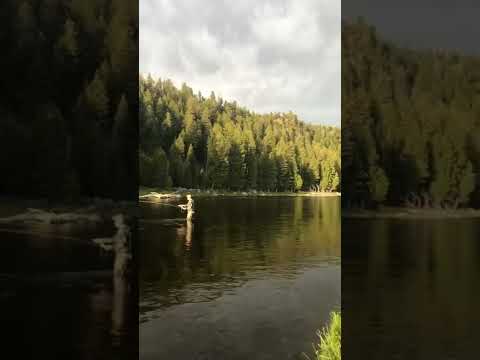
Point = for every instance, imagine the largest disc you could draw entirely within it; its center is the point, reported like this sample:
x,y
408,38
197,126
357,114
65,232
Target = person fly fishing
x,y
188,206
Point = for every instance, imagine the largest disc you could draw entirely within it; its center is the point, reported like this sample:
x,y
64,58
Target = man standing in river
x,y
188,206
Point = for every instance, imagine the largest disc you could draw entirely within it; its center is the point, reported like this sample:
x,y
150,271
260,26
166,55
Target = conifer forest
x,y
191,141
69,118
410,124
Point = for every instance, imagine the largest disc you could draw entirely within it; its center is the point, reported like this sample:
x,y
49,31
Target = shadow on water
x,y
245,278
409,288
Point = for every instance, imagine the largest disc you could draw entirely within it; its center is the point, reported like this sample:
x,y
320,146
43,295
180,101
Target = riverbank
x,y
330,340
408,213
106,208
146,192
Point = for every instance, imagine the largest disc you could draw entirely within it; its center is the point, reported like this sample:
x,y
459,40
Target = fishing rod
x,y
175,206
158,203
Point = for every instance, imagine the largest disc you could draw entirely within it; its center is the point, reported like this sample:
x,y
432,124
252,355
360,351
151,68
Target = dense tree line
x,y
410,124
188,140
69,98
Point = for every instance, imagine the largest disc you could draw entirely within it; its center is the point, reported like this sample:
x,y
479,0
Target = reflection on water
x,y
245,278
410,289
184,233
59,297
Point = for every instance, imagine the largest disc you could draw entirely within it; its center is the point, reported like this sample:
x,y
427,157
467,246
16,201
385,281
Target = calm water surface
x,y
248,278
57,294
410,289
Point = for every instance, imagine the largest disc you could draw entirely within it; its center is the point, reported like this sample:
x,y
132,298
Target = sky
x,y
269,56
422,24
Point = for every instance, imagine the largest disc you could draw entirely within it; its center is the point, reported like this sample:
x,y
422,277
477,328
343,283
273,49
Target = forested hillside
x,y
187,140
69,98
410,124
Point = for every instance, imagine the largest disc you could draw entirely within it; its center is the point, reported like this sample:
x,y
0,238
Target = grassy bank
x,y
206,193
330,340
409,213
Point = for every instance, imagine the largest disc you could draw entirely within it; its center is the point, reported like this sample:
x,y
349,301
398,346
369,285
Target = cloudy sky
x,y
444,24
276,55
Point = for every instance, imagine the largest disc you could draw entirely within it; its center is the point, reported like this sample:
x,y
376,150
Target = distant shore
x,y
409,213
12,205
146,192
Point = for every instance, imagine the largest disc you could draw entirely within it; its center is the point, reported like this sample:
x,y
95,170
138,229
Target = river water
x,y
58,297
410,289
247,278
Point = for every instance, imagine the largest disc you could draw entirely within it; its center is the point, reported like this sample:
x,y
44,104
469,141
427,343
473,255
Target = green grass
x,y
330,339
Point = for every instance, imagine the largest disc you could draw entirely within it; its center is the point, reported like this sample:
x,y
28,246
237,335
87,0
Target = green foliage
x,y
330,344
407,127
70,116
67,43
97,98
215,144
466,184
378,184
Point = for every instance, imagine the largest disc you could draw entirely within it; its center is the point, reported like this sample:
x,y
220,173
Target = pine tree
x,y
96,97
177,158
67,43
236,175
160,169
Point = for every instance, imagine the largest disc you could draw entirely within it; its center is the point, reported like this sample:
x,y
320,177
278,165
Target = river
x,y
410,288
58,296
247,278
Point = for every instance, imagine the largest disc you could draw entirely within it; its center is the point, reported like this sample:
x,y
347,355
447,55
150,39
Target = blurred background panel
x,y
68,178
410,181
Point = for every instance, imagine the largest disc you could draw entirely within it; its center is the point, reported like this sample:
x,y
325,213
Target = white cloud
x,y
267,55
